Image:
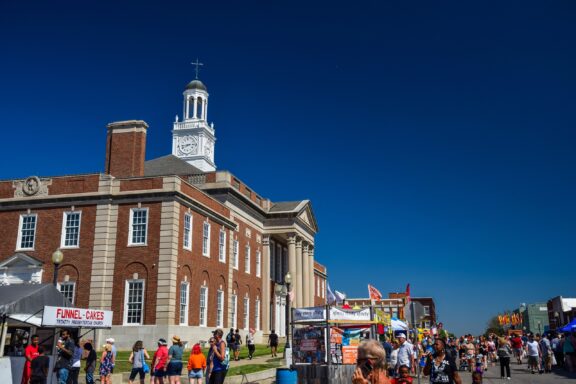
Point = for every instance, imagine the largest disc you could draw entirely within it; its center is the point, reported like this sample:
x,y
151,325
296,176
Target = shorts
x,y
159,373
136,371
470,357
235,347
275,345
532,360
174,368
518,351
195,374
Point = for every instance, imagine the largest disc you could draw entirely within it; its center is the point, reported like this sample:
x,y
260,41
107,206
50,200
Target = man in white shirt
x,y
405,353
534,354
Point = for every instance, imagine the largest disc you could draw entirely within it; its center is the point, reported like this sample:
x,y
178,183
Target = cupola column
x,y
195,106
205,110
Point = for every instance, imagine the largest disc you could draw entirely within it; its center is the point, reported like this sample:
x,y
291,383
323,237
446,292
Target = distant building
x,y
429,306
534,317
561,311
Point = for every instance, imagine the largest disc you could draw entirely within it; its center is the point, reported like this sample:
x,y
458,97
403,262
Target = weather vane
x,y
197,64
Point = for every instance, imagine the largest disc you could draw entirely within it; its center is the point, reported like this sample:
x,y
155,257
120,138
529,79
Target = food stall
x,y
21,309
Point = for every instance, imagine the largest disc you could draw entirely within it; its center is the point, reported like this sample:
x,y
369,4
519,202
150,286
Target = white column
x,y
305,276
311,277
298,281
195,106
292,261
265,302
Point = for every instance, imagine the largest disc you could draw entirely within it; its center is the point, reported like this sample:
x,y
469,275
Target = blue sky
x,y
436,140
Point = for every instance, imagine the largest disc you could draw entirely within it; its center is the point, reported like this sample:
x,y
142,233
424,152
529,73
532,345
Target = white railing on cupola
x,y
193,125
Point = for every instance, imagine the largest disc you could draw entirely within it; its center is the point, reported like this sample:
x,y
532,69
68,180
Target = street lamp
x,y
283,290
57,258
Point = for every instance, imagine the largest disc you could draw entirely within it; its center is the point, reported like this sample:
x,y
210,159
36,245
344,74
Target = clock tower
x,y
193,138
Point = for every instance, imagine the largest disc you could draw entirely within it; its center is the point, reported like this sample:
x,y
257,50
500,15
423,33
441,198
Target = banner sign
x,y
76,317
339,314
305,314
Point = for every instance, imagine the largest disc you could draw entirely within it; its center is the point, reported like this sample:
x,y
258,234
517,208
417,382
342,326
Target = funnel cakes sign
x,y
76,317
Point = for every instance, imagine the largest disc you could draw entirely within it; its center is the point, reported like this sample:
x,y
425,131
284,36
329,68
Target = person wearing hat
x,y
111,341
405,352
160,361
370,364
175,353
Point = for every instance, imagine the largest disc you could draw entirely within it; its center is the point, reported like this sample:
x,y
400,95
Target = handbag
x,y
145,366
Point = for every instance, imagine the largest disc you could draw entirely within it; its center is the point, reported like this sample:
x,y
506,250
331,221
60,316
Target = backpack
x,y
229,338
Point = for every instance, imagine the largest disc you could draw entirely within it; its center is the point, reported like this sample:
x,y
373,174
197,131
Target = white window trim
x,y
63,235
235,252
258,263
234,313
206,250
205,308
257,314
125,315
247,258
426,310
185,322
220,318
246,315
73,284
222,246
19,240
131,229
189,247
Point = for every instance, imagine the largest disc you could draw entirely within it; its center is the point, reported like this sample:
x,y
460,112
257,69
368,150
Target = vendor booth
x,y
40,309
21,309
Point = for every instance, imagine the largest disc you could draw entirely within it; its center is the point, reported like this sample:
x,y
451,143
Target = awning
x,y
25,302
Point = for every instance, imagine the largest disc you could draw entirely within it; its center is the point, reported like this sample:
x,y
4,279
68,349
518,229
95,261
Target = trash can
x,y
286,376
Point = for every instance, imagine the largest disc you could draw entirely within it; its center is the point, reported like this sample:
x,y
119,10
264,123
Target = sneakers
x,y
508,378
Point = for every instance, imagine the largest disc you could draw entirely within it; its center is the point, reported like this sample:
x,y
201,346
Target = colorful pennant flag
x,y
374,293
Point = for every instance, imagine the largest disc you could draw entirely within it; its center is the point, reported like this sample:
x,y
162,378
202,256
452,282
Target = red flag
x,y
408,293
374,293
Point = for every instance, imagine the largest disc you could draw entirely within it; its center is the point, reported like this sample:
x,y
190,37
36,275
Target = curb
x,y
236,379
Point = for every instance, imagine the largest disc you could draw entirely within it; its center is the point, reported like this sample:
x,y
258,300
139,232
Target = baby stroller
x,y
463,363
479,363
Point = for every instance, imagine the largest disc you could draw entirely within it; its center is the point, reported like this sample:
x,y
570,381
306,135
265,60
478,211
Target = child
x,y
476,377
39,367
404,376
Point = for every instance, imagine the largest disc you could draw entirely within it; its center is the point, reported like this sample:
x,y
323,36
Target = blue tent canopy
x,y
571,327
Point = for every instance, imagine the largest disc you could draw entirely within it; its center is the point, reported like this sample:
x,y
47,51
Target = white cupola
x,y
193,138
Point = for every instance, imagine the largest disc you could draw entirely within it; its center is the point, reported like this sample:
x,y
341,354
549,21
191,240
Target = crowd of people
x,y
443,359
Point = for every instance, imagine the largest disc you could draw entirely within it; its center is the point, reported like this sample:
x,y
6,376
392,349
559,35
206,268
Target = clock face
x,y
188,144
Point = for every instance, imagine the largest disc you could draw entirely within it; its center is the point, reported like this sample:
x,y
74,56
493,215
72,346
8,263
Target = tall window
x,y
222,246
234,305
67,289
257,315
134,299
318,287
206,240
258,263
70,230
426,310
138,226
27,231
187,231
203,306
184,287
246,313
235,254
247,259
220,309
323,288
272,261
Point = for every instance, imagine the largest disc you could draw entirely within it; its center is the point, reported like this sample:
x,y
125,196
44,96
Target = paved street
x,y
520,374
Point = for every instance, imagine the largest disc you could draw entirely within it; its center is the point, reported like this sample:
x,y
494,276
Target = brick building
x,y
171,245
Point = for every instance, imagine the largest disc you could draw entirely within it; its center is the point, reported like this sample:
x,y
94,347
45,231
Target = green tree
x,y
494,326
